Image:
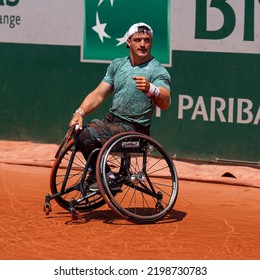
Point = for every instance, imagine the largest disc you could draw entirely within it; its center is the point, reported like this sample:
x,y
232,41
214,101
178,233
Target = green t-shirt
x,y
129,103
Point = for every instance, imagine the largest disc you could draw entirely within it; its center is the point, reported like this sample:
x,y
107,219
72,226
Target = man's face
x,y
140,44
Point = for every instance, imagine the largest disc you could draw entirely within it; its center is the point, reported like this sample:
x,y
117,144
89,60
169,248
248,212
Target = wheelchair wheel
x,y
144,187
65,179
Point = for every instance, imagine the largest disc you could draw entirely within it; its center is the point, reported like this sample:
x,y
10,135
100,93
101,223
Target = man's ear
x,y
128,42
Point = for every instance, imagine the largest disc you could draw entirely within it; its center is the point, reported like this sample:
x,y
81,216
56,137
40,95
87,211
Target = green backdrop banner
x,y
215,99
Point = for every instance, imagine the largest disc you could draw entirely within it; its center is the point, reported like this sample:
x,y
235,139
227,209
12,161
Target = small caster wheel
x,y
47,209
75,215
159,207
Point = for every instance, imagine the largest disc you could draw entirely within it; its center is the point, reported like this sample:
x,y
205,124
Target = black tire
x,y
145,173
71,189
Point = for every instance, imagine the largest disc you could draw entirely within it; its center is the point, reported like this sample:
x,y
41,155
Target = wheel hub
x,y
138,177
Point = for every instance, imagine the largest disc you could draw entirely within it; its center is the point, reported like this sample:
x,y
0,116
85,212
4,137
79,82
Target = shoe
x,y
94,187
117,188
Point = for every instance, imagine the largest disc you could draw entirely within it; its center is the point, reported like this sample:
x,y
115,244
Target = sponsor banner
x,y
106,24
195,25
216,26
218,109
48,22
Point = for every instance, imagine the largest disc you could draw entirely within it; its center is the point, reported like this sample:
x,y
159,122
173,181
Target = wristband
x,y
80,111
153,91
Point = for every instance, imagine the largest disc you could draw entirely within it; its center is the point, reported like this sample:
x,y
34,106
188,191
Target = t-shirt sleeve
x,y
109,77
162,79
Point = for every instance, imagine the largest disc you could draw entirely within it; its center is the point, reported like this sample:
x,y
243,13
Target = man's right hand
x,y
76,119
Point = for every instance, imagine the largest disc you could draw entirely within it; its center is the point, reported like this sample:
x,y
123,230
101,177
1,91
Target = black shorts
x,y
97,132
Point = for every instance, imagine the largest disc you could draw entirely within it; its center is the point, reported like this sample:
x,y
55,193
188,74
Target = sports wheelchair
x,y
144,187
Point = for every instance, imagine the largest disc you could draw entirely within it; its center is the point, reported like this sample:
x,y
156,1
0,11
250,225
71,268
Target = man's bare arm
x,y
91,102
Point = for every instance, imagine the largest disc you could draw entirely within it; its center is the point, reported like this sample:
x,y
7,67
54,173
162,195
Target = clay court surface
x,y
215,217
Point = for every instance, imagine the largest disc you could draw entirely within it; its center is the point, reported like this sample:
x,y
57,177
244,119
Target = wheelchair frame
x,y
145,187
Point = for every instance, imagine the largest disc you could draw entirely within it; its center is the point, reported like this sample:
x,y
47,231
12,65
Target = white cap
x,y
138,27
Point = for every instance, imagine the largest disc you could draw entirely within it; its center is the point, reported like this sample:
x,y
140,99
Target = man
x,y
139,84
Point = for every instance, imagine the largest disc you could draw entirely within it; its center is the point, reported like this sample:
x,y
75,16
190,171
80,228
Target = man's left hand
x,y
142,84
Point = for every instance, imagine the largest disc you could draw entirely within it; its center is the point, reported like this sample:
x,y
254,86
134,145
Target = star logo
x,y
100,28
101,1
107,21
122,40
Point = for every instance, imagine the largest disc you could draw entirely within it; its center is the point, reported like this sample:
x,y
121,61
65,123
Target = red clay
x,y
210,221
